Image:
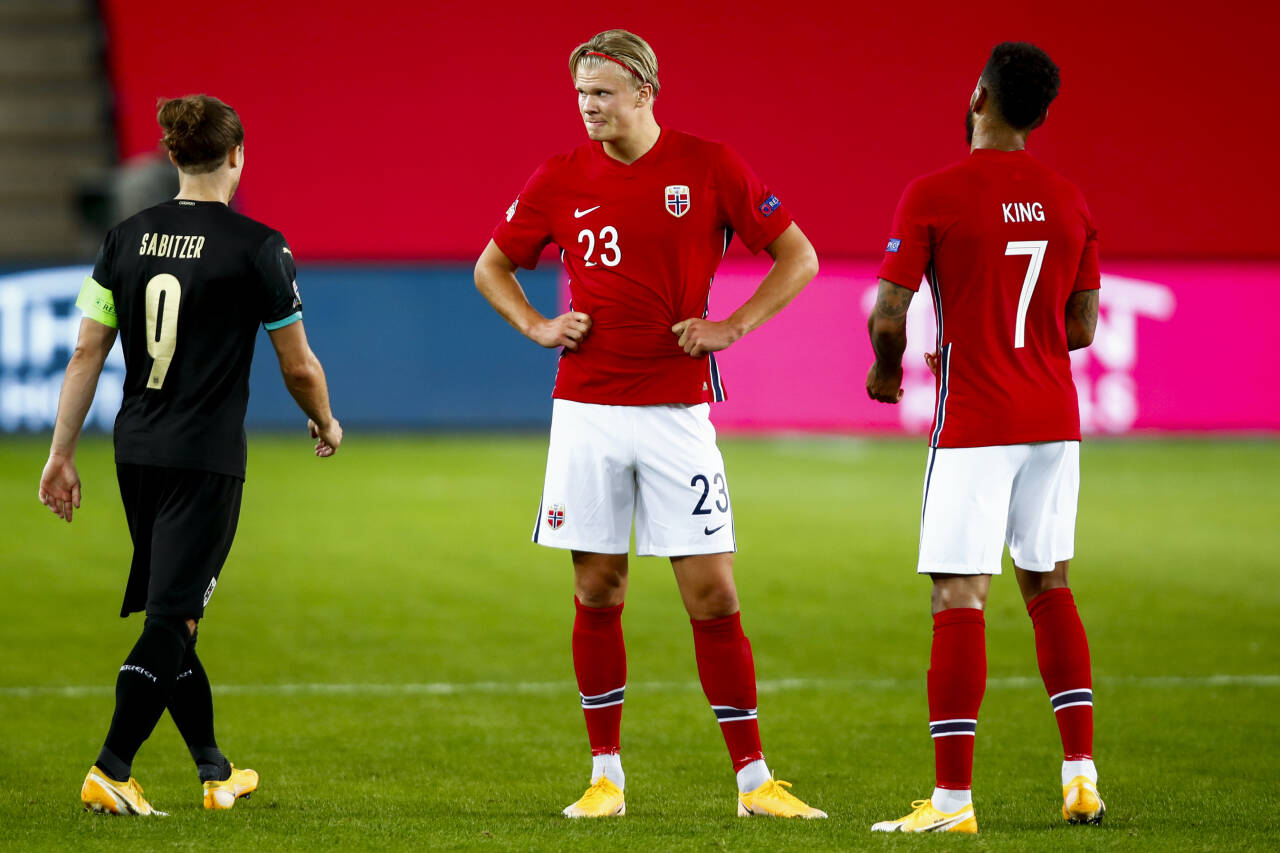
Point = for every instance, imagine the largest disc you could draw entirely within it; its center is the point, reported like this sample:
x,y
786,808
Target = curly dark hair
x,y
1023,80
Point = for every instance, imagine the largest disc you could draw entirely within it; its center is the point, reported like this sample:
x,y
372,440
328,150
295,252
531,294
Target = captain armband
x,y
97,303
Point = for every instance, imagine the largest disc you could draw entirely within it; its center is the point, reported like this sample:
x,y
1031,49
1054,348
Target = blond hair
x,y
618,46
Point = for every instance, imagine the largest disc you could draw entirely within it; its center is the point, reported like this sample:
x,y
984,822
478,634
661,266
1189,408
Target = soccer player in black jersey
x,y
186,284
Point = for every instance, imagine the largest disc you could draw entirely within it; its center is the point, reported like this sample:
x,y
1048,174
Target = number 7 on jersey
x,y
1036,249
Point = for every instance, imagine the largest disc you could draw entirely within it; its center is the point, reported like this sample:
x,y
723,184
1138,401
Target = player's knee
x,y
952,593
600,588
714,601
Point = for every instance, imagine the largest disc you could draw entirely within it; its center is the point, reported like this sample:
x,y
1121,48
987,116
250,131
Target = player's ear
x,y
979,99
644,94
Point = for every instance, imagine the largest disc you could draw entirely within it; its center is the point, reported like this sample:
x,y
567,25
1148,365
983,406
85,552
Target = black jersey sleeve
x,y
105,260
280,301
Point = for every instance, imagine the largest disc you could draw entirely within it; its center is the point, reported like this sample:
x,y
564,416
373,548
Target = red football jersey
x,y
1004,241
640,243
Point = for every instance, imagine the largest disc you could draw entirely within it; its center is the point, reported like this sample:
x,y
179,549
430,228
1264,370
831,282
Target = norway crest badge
x,y
555,516
677,200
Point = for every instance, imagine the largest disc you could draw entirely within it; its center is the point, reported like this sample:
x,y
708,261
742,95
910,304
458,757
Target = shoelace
x,y
597,791
778,789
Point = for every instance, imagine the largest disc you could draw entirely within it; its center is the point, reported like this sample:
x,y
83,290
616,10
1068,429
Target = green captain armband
x,y
97,303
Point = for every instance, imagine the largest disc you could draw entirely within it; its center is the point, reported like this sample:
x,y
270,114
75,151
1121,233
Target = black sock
x,y
111,765
142,689
191,706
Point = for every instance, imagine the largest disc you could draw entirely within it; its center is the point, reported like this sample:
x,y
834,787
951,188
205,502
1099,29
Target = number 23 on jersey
x,y
610,254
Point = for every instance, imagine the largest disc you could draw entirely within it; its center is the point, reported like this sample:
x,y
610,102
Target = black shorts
x,y
182,523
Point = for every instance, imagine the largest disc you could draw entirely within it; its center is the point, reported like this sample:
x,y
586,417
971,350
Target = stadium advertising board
x,y
1149,367
391,365
38,324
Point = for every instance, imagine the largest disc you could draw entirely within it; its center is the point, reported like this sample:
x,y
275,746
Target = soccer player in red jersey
x,y
1011,256
642,215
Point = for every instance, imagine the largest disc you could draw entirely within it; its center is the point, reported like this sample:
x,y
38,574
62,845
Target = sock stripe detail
x,y
949,728
730,714
1070,699
604,700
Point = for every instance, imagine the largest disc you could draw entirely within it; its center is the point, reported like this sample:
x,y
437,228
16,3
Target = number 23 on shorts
x,y
705,485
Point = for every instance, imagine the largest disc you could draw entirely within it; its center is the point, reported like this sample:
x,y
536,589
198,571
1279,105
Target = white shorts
x,y
977,499
659,464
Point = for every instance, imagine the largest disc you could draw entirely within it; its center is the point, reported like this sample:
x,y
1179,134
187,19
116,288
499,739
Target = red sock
x,y
728,675
1063,651
600,662
957,680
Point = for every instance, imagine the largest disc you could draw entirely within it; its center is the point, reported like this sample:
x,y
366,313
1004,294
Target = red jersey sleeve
x,y
910,247
750,208
526,230
1088,277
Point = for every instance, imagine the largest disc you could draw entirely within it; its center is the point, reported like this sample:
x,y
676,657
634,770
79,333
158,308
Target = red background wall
x,y
403,130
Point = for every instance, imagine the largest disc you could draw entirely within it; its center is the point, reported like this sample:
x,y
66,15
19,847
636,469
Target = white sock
x,y
949,800
610,765
753,776
1072,769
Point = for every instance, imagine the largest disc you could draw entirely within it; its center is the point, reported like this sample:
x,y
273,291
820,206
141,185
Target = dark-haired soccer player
x,y
186,284
1011,255
642,215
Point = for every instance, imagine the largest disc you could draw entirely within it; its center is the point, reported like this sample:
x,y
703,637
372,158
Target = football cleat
x,y
1081,803
602,799
772,799
220,796
101,793
926,818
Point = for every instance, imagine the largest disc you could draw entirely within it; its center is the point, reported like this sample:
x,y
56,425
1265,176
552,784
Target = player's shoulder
x,y
943,181
1066,187
557,167
252,229
691,146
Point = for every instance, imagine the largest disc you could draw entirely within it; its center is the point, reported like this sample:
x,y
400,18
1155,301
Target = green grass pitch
x,y
392,654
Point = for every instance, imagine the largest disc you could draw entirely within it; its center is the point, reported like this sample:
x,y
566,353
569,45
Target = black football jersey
x,y
191,281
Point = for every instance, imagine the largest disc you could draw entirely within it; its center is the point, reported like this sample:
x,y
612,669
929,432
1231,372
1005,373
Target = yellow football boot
x,y
220,796
1081,803
926,818
602,799
101,793
772,799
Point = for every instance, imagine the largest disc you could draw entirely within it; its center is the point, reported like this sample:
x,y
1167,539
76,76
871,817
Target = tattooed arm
x,y
887,326
1082,318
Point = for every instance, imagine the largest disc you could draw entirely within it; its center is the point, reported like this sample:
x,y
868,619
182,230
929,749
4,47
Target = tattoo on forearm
x,y
1083,307
892,301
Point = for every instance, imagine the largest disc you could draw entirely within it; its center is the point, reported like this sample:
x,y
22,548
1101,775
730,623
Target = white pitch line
x,y
780,685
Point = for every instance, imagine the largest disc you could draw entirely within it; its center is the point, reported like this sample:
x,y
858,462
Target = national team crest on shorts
x,y
677,200
555,516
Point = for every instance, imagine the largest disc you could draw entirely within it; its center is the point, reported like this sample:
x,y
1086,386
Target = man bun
x,y
199,131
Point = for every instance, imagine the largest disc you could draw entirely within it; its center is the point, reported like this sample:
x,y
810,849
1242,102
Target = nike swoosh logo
x,y
710,530
578,214
944,825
